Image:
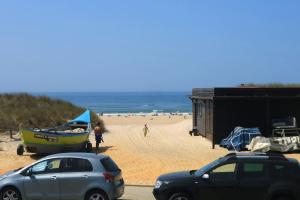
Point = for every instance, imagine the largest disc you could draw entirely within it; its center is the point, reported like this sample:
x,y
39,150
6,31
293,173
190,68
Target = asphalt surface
x,y
137,193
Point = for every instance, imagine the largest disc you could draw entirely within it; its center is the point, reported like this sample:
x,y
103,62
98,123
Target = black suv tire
x,y
180,196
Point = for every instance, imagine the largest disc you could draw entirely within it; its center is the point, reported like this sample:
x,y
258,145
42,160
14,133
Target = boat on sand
x,y
72,136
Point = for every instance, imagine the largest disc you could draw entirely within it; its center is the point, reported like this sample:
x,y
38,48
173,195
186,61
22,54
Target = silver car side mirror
x,y
29,172
205,176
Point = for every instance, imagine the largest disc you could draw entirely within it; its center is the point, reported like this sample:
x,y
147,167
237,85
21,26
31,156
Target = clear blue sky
x,y
147,45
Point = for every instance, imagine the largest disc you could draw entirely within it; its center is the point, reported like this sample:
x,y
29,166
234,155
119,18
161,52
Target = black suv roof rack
x,y
272,156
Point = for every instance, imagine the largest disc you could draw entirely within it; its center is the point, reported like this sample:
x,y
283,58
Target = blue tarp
x,y
84,117
239,138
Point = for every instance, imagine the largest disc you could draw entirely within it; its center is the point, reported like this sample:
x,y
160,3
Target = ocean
x,y
127,102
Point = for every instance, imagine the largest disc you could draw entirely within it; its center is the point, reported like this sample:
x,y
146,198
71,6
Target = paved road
x,y
137,193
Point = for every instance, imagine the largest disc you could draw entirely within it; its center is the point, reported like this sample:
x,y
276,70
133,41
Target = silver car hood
x,y
7,174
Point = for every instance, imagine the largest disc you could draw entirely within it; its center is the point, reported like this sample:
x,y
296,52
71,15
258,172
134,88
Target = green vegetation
x,y
271,85
37,111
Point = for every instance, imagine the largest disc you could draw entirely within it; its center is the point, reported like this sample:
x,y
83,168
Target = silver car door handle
x,y
53,177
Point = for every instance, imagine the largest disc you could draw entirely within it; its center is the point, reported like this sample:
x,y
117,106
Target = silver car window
x,y
47,166
109,165
39,168
76,165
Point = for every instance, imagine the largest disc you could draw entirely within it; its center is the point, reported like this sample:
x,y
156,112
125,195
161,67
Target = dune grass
x,y
37,111
271,85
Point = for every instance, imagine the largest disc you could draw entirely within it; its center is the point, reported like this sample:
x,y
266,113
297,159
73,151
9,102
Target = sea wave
x,y
146,114
127,102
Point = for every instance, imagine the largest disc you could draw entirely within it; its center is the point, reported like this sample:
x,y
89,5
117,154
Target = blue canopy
x,y
84,117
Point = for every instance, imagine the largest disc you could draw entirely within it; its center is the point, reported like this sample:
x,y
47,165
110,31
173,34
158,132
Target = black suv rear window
x,y
109,165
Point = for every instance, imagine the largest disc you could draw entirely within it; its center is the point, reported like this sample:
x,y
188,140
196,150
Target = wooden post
x,y
268,117
11,134
213,122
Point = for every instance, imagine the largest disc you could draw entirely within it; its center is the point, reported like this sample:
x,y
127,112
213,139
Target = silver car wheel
x,y
10,195
96,196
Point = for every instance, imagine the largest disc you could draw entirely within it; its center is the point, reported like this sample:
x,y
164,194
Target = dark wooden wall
x,y
203,117
225,108
229,113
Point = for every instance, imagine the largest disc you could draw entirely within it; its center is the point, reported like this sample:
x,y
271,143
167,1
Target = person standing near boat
x,y
98,135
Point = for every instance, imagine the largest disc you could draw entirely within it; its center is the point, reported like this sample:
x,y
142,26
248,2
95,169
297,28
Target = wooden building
x,y
216,111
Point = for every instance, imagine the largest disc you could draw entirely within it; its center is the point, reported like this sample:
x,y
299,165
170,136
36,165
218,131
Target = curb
x,y
133,185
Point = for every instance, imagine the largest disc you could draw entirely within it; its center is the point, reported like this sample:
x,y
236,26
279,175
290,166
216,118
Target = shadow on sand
x,y
38,156
102,149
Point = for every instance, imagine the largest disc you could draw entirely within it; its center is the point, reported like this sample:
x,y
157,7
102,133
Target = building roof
x,y
242,92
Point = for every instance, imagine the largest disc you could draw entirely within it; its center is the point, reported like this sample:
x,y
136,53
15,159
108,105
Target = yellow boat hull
x,y
45,142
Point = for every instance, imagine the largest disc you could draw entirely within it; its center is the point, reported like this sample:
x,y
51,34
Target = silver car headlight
x,y
159,183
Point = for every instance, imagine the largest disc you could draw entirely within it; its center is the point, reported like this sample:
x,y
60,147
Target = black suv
x,y
246,176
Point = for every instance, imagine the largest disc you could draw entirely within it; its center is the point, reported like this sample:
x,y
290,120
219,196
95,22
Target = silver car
x,y
65,176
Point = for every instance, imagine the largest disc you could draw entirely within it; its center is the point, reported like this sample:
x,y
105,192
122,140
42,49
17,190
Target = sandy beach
x,y
167,148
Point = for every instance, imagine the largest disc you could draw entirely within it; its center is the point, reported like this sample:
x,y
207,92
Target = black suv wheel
x,y
180,196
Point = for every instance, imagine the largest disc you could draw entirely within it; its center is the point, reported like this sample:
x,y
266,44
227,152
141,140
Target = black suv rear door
x,y
253,180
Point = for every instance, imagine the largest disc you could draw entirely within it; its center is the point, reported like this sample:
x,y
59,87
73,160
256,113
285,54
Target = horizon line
x,y
99,92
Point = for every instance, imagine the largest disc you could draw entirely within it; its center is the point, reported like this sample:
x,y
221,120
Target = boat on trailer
x,y
72,136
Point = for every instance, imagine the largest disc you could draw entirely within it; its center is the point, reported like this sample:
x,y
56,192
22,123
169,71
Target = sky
x,y
149,45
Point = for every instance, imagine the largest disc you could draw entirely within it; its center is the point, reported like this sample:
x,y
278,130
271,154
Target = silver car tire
x,y
96,195
10,194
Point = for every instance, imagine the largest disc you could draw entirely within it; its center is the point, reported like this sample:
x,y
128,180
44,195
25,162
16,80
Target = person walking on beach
x,y
98,135
146,130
